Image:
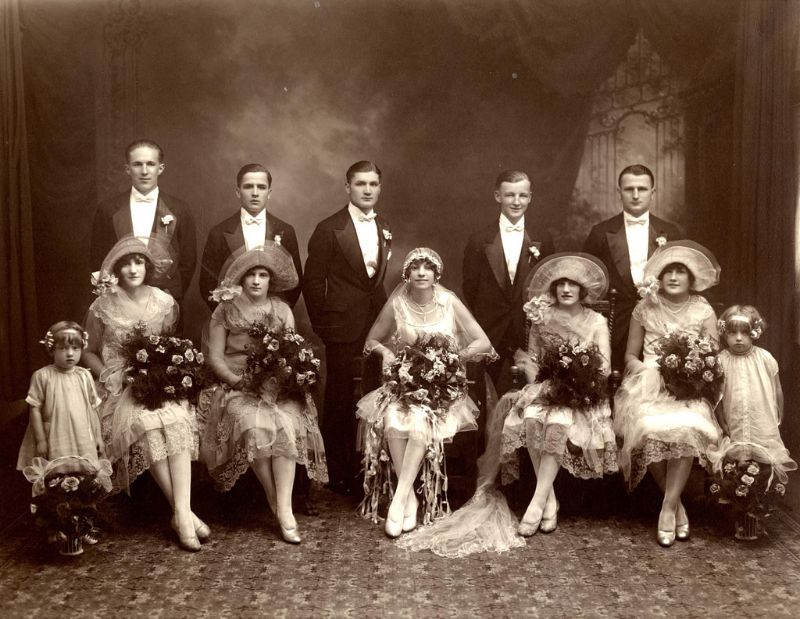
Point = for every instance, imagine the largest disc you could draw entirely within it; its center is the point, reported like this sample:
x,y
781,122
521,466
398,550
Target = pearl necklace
x,y
678,309
421,308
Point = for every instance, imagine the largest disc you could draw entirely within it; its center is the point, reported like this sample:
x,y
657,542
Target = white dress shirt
x,y
637,231
254,228
367,232
512,236
143,211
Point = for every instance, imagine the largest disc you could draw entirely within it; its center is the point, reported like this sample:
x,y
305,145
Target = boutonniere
x,y
277,238
387,235
166,220
533,251
661,240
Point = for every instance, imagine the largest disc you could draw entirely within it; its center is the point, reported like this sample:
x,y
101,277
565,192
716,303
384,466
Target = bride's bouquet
x,y
161,368
574,371
281,361
427,374
690,366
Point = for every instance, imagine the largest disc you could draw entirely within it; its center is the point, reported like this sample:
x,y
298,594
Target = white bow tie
x,y
140,198
515,228
631,221
249,220
369,217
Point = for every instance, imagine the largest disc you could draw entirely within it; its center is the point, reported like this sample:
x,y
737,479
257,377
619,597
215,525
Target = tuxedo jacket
x,y
112,221
494,300
341,299
227,237
608,241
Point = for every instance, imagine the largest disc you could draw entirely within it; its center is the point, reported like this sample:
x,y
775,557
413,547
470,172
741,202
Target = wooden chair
x,y
462,453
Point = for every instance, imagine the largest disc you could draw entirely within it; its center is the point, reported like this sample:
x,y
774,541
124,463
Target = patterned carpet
x,y
603,564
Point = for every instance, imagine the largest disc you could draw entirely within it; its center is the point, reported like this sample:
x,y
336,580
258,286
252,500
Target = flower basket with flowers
x,y
749,489
161,368
574,371
65,496
690,366
425,377
281,361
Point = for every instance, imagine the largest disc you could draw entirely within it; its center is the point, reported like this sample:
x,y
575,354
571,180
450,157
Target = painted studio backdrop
x,y
442,94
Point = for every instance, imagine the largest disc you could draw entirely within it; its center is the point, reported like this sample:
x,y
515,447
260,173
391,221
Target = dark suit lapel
x,y
526,260
497,261
123,225
348,243
233,234
656,230
618,247
385,249
164,222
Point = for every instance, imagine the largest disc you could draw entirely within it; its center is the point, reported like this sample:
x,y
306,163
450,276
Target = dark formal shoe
x,y
548,525
682,532
665,538
186,541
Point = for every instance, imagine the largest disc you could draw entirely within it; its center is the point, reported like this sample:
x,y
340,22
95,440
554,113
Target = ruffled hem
x,y
131,424
239,428
654,450
414,422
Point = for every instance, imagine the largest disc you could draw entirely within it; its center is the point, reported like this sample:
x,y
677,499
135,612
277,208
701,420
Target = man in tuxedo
x,y
145,211
497,260
624,243
247,228
343,290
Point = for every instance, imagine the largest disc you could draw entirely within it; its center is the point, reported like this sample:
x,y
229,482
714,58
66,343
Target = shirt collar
x,y
261,217
645,217
355,211
504,221
154,194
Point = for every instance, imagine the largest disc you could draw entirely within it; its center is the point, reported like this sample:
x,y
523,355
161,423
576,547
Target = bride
x,y
420,318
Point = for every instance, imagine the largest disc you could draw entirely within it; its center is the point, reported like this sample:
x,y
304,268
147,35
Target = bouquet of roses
x,y
575,372
690,366
65,503
161,368
428,373
747,486
282,358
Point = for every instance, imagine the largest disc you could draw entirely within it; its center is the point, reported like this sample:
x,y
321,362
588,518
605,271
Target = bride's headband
x,y
738,323
423,253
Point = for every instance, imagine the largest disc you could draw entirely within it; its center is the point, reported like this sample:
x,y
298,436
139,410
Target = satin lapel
x,y
234,237
269,230
385,252
497,261
655,231
618,246
525,262
163,213
123,225
348,242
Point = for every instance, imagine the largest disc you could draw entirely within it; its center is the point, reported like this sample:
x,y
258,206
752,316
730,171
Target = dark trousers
x,y
339,423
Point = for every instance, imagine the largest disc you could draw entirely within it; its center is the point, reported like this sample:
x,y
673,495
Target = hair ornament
x,y
423,253
105,283
49,341
756,325
649,289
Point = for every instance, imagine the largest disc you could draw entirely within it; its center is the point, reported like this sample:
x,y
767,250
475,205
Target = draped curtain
x,y
18,323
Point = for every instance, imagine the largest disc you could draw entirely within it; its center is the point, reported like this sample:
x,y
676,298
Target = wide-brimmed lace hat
x,y
581,268
152,248
698,259
273,257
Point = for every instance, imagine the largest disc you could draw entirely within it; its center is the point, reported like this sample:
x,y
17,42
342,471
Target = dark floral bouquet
x,y
690,366
65,503
282,358
575,372
160,368
746,486
428,373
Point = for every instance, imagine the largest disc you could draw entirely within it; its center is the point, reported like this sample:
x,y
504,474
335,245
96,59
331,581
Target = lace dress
x,y
582,441
239,427
68,403
653,425
751,410
135,436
